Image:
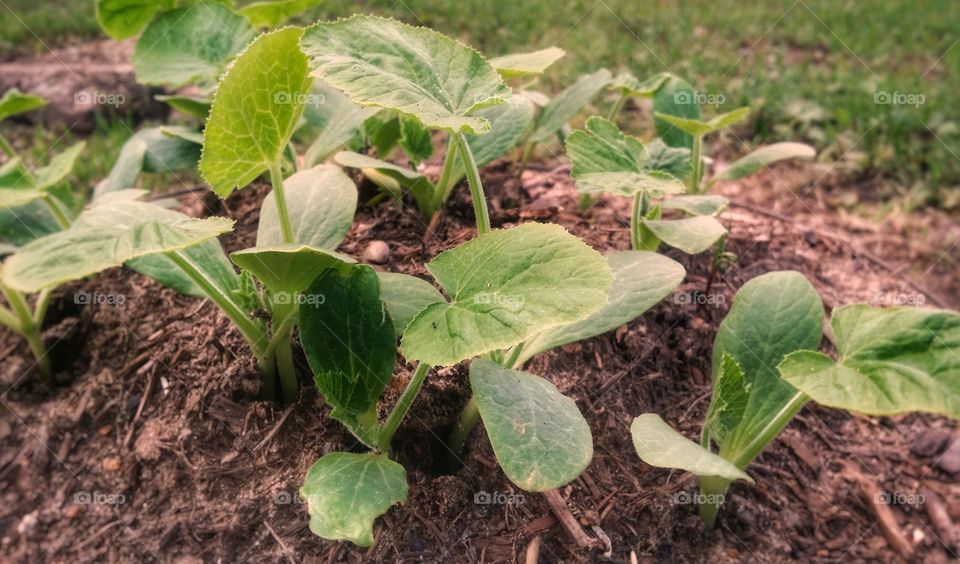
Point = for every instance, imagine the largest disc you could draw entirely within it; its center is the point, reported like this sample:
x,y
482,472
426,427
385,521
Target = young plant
x,y
766,367
605,159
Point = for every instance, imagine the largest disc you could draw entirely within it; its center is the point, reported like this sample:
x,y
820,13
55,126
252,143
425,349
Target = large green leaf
x,y
658,444
676,98
505,286
338,119
271,13
538,435
350,343
321,202
125,18
255,111
152,149
207,257
525,64
772,316
509,123
15,102
16,197
691,235
405,296
417,71
764,157
288,269
568,103
891,360
188,44
606,160
103,237
346,492
640,280
59,167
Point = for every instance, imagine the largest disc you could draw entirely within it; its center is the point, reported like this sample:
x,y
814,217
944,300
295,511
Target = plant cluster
x,y
372,85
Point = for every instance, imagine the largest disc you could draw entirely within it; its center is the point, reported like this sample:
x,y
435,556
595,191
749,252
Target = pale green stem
x,y
29,330
59,215
695,158
712,490
476,187
286,369
403,406
525,159
6,147
276,178
7,318
445,184
641,201
514,356
617,106
461,429
40,309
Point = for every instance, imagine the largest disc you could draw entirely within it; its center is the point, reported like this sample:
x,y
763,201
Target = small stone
x,y
111,464
377,252
72,511
950,461
930,442
28,524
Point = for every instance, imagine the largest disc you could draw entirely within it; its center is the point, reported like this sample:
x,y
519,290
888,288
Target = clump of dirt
x,y
153,447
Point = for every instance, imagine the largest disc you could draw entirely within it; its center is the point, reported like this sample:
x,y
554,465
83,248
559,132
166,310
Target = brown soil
x,y
155,416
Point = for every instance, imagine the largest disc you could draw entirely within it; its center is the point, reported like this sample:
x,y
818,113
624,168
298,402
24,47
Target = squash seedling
x,y
766,367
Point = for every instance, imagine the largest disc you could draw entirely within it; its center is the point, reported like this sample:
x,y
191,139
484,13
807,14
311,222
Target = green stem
x,y
617,106
9,319
759,441
29,330
6,147
695,158
40,309
525,159
403,406
286,369
476,187
464,425
252,331
445,184
514,356
712,491
276,178
268,376
59,215
641,201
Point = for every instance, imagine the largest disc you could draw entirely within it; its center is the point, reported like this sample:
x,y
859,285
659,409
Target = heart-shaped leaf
x,y
675,97
699,128
255,111
271,13
15,102
764,157
405,296
321,202
189,44
568,103
417,71
892,360
288,269
346,492
350,343
526,64
538,435
658,444
125,18
640,280
692,235
505,286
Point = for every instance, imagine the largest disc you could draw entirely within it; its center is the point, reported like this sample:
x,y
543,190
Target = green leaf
x,y
26,223
764,157
153,149
728,119
505,286
346,492
114,230
382,131
15,102
509,122
13,174
350,343
271,13
208,257
125,18
729,401
405,296
675,98
16,197
892,360
526,64
190,44
692,235
394,179
674,161
415,140
538,435
606,160
628,84
416,71
59,167
338,119
196,106
696,205
321,202
255,111
568,103
658,444
772,316
288,269
640,280
699,128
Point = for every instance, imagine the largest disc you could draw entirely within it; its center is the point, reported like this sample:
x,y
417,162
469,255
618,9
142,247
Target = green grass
x,y
810,68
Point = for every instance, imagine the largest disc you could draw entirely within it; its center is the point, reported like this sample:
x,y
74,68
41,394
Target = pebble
x,y
930,443
111,464
377,252
950,461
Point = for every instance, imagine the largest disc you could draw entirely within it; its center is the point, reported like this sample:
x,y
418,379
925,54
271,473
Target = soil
x,y
154,448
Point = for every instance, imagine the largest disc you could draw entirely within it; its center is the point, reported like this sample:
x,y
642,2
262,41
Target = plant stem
x,y
444,186
61,218
758,441
8,319
525,159
641,201
712,491
617,106
30,331
276,178
252,331
6,147
40,309
695,158
514,356
403,406
476,187
464,425
286,369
